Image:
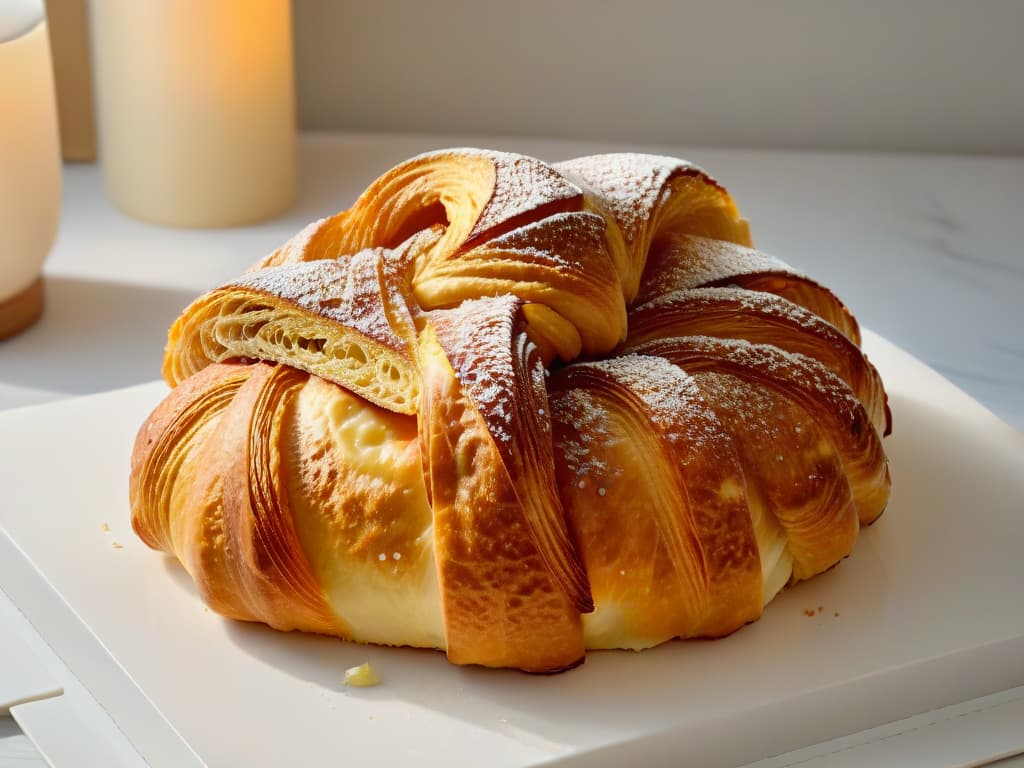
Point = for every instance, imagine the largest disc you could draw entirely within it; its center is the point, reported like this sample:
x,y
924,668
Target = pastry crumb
x,y
117,545
809,613
105,527
362,676
835,615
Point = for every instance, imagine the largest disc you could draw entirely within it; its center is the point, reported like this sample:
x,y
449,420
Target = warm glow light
x,y
196,108
29,160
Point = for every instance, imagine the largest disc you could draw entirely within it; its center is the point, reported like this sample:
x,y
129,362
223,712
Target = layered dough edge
x,y
514,412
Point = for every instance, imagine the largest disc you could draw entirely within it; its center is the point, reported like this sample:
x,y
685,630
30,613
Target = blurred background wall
x,y
929,75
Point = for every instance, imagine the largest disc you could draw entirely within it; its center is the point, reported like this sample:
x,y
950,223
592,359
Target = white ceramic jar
x,y
195,108
30,167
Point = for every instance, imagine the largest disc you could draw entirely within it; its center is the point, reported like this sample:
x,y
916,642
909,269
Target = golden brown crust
x,y
323,317
791,466
811,386
559,263
206,485
656,494
646,198
441,481
164,442
501,606
500,374
267,562
761,318
508,224
683,260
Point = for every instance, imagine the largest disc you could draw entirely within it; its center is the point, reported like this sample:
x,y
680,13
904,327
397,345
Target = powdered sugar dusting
x,y
295,250
522,184
757,361
656,410
345,290
308,284
477,337
527,351
672,399
361,299
562,241
738,300
628,185
730,312
586,423
687,261
736,400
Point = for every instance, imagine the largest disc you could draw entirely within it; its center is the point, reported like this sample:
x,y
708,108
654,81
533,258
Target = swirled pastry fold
x,y
656,494
757,317
514,410
684,261
647,198
809,385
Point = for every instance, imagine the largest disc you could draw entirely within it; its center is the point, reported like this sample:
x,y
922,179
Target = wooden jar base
x,y
21,310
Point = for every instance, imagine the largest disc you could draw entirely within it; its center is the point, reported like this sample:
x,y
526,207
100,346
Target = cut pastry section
x,y
323,317
514,411
507,224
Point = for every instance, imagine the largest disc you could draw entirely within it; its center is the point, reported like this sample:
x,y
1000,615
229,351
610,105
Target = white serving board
x,y
930,613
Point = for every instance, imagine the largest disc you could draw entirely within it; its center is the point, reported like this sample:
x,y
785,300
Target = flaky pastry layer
x,y
514,411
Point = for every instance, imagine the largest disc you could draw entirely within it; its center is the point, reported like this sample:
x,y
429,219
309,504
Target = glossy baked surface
x,y
631,426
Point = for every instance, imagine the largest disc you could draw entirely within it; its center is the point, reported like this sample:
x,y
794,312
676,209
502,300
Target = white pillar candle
x,y
29,161
196,108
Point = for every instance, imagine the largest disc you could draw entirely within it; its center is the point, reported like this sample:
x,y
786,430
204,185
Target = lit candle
x,y
196,108
29,162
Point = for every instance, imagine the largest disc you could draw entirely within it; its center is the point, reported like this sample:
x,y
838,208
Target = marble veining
x,y
945,246
950,371
1008,350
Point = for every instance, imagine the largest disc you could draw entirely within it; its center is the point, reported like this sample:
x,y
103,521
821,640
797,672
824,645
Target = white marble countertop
x,y
925,249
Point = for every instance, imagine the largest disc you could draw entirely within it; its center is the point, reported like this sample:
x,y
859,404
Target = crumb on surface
x,y
809,613
835,615
362,676
105,527
117,545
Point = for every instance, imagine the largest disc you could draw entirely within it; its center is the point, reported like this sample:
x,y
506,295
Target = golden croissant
x,y
514,411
